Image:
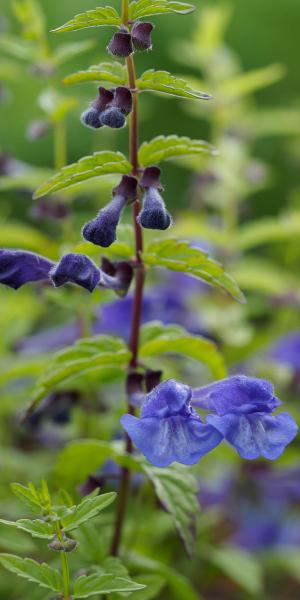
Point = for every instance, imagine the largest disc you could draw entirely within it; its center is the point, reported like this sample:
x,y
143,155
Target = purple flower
x,y
141,35
243,406
121,43
110,108
169,429
18,267
286,351
154,214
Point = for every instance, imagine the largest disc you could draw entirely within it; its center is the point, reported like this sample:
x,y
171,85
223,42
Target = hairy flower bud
x,y
76,268
102,230
113,117
91,118
141,35
64,545
121,43
154,214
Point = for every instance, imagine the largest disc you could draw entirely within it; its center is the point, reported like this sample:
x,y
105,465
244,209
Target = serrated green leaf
x,y
242,567
166,148
99,163
28,495
180,256
85,355
92,585
111,72
33,571
158,338
97,17
89,508
177,489
36,527
145,8
166,83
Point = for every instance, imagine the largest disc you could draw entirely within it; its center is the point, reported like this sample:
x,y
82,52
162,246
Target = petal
x,y
76,268
168,398
256,434
237,395
18,267
163,441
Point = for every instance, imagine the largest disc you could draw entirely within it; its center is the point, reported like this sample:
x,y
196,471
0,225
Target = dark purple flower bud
x,y
37,130
102,230
64,545
154,214
141,36
18,267
122,99
126,188
151,178
113,117
121,43
76,268
91,118
116,276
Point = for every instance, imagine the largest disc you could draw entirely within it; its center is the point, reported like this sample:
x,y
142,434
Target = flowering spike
x,y
121,43
76,268
141,35
102,230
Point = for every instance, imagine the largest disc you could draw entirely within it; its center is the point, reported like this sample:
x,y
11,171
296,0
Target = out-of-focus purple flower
x,y
18,267
169,429
243,406
286,351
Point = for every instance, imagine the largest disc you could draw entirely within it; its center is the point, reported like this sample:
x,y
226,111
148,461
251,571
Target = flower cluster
x,y
110,108
124,42
18,267
169,429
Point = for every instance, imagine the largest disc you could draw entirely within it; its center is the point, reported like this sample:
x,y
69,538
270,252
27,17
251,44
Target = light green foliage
x,y
242,567
92,18
111,72
36,528
158,338
55,105
33,571
100,163
92,585
146,8
166,148
164,82
90,507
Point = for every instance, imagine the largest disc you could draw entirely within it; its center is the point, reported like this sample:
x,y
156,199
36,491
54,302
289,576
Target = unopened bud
x,y
141,36
113,117
91,118
76,268
64,545
121,43
154,214
102,230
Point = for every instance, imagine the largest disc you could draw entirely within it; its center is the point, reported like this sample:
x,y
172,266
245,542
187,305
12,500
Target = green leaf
x,y
268,230
33,571
180,256
19,235
180,586
154,585
30,15
122,248
85,355
97,17
28,495
111,72
247,83
145,8
166,148
242,567
95,584
16,368
99,163
177,489
164,82
89,508
65,52
158,338
265,277
36,528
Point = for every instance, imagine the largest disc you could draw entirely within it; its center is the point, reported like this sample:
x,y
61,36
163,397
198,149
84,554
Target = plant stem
x,y
64,566
60,150
138,292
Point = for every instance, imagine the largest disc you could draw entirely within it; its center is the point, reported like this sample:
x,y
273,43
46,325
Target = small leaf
x,y
95,584
28,495
145,8
158,338
65,52
89,508
164,82
242,567
180,256
30,15
111,72
33,571
177,489
99,163
36,528
166,148
97,17
154,585
85,355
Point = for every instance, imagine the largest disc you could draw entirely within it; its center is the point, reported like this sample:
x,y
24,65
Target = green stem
x,y
64,566
60,145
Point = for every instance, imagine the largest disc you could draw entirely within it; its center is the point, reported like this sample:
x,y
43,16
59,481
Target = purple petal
x,y
163,441
18,267
169,398
76,268
237,395
256,435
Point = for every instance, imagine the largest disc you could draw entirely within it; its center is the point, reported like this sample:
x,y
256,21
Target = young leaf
x,y
164,82
145,8
99,352
154,585
111,72
30,15
89,508
166,148
158,338
65,52
99,163
36,528
92,585
33,571
177,490
97,17
29,496
180,256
